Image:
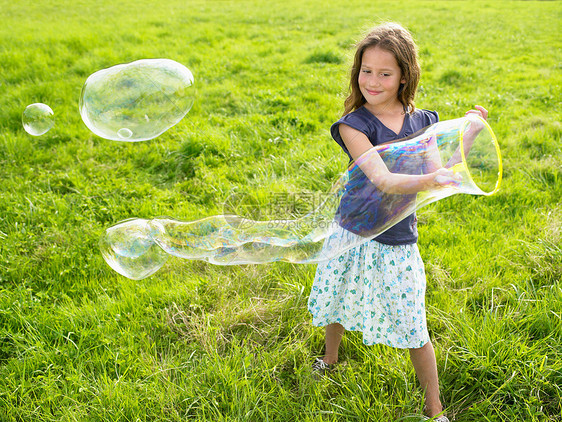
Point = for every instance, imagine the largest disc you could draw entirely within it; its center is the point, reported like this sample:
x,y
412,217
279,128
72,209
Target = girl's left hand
x,y
447,178
480,111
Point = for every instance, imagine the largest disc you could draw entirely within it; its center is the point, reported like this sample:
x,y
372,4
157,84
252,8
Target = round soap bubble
x,y
354,211
38,119
136,101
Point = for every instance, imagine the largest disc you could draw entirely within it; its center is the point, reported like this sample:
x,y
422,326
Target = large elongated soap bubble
x,y
354,211
136,101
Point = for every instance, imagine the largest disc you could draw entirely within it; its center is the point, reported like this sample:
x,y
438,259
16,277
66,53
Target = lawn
x,y
79,342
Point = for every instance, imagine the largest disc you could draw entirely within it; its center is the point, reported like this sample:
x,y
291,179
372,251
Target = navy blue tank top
x,y
405,232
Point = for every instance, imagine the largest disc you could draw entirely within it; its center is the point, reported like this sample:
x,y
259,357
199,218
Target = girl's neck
x,y
391,108
391,116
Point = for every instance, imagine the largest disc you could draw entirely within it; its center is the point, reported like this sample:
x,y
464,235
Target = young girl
x,y
379,287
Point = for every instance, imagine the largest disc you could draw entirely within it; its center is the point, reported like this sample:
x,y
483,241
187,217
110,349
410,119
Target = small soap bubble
x,y
38,119
136,101
124,133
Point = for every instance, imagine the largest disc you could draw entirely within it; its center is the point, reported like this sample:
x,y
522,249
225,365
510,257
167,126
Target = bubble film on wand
x,y
354,211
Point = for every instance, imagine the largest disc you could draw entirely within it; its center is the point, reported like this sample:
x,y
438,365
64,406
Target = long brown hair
x,y
397,40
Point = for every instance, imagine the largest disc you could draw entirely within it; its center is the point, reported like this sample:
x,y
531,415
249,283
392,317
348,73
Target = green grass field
x,y
78,342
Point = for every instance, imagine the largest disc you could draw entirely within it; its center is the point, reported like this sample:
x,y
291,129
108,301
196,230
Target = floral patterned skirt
x,y
374,288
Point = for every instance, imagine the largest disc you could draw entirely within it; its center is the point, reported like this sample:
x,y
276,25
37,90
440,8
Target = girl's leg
x,y
425,365
334,333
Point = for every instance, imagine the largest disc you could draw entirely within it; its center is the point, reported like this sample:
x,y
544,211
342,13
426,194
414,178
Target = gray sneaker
x,y
441,418
319,368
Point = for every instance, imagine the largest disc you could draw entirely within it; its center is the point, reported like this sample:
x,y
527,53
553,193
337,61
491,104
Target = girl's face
x,y
379,79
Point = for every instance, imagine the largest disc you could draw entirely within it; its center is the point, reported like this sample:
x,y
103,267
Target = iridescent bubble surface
x,y
136,101
354,211
38,119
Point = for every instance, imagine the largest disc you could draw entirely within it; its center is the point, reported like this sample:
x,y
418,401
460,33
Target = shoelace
x,y
442,418
321,365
